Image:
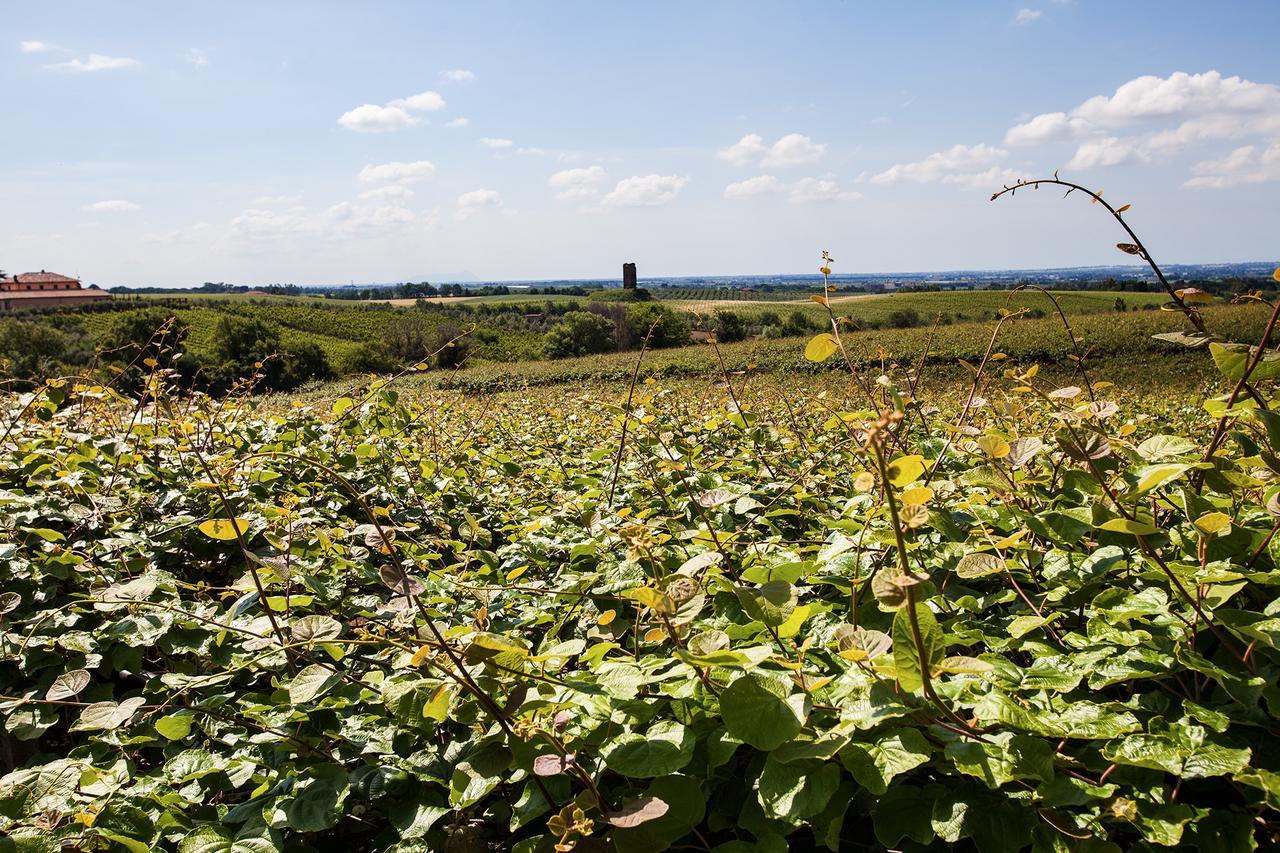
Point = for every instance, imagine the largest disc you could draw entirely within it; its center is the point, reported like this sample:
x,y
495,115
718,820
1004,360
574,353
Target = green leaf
x,y
312,682
903,812
979,565
102,716
661,750
793,792
1131,526
174,726
760,711
1233,360
319,805
771,604
1002,758
906,656
875,764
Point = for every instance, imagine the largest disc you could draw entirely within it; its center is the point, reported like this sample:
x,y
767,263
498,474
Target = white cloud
x,y
270,200
371,118
397,172
1107,151
96,62
114,205
964,165
391,192
1168,114
794,149
298,228
645,191
423,102
476,201
577,184
455,123
197,58
1026,16
491,142
803,191
393,115
1248,164
818,189
33,47
1046,127
751,187
457,75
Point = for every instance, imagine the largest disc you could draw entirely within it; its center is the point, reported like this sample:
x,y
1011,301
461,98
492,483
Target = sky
x,y
168,144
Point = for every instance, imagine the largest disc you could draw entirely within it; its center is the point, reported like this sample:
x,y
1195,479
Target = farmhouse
x,y
44,290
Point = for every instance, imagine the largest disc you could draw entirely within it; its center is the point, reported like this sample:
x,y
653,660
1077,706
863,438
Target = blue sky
x,y
169,144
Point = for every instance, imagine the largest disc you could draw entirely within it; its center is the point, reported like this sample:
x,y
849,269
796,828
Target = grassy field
x,y
786,614
879,309
1124,340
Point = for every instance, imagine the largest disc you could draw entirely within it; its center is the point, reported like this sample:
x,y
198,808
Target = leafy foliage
x,y
1037,619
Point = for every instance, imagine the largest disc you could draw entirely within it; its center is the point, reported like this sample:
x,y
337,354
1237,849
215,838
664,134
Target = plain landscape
x,y
301,550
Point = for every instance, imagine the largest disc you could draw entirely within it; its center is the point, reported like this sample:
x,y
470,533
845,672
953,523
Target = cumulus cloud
x,y
492,142
298,228
457,75
477,201
422,102
96,62
1026,16
1161,114
393,115
390,192
645,191
964,165
794,149
803,191
33,47
577,184
397,172
818,189
1108,151
1249,164
752,187
114,205
456,123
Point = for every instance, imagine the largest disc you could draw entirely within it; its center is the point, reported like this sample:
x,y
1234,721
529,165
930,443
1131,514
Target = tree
x,y
579,333
242,343
672,329
34,351
134,336
729,326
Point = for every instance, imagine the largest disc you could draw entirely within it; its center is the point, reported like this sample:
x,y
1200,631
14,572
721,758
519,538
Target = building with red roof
x,y
45,290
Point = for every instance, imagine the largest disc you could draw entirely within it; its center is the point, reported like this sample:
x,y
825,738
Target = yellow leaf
x,y
994,446
821,347
918,495
606,618
905,470
1195,295
420,655
864,482
1276,275
654,635
224,528
1213,523
1123,208
819,298
517,572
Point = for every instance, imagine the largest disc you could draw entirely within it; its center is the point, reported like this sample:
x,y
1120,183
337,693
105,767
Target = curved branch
x,y
1189,312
